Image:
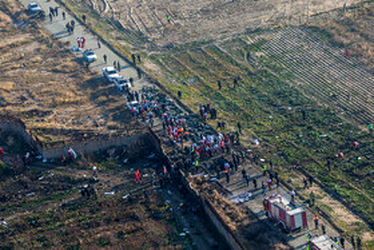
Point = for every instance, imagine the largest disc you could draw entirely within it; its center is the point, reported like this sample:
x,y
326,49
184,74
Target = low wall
x,y
132,143
212,215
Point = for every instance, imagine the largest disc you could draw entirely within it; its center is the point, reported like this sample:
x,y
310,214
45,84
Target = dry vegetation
x,y
355,31
198,20
44,84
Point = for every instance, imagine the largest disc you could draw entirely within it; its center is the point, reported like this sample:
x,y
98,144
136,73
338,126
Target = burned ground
x,y
45,209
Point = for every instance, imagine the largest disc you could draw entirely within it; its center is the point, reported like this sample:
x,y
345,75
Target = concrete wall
x,y
220,226
133,143
213,217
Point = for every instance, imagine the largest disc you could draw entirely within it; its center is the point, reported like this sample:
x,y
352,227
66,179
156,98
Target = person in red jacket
x,y
137,176
1,152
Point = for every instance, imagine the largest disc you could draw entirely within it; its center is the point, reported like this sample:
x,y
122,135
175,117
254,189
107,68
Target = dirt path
x,y
57,26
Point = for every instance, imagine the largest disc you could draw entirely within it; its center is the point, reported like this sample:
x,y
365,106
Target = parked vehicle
x,y
122,84
281,210
110,73
89,56
323,242
33,7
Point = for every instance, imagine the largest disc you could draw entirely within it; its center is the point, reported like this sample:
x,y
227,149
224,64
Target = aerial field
x,y
290,57
178,22
42,83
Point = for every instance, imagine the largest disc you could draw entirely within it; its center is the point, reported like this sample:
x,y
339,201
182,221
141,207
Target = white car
x,y
89,56
110,73
122,83
33,7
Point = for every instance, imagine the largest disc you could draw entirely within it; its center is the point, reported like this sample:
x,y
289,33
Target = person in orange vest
x,y
137,176
315,219
1,152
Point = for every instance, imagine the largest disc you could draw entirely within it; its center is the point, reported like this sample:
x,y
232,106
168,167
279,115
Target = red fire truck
x,y
281,210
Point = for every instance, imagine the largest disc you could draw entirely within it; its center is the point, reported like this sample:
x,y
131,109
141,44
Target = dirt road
x,y
58,29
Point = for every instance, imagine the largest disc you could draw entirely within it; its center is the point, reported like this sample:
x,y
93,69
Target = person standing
x,y
305,183
323,229
353,242
51,11
63,15
292,193
131,80
50,17
239,127
56,11
244,173
84,19
264,170
133,59
118,66
269,181
246,180
1,152
310,180
98,44
227,175
219,85
358,243
342,240
62,159
78,42
254,181
137,176
312,198
139,73
315,219
235,82
138,56
94,171
83,40
105,59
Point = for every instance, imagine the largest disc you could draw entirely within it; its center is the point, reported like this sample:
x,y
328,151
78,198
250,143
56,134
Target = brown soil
x,y
43,83
355,31
37,204
199,20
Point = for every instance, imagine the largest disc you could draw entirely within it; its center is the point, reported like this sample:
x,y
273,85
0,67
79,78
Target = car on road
x,y
89,56
110,73
122,84
33,7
